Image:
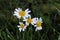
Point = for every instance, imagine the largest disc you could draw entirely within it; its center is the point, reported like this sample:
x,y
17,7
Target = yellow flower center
x,y
22,13
29,20
22,25
38,23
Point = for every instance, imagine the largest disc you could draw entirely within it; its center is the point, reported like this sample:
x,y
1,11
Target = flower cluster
x,y
36,22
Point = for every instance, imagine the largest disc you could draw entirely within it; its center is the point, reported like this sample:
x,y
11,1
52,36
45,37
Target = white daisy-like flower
x,y
22,26
38,23
19,13
28,21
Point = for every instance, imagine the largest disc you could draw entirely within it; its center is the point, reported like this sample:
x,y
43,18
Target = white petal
x,y
18,16
27,23
20,23
40,20
25,20
20,9
15,14
26,10
18,26
39,28
36,29
20,29
35,25
34,20
16,10
23,29
27,16
32,23
37,19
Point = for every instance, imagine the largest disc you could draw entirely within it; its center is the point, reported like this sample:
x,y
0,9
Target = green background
x,y
49,10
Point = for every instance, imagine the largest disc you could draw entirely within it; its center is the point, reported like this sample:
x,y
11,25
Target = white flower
x,y
19,13
38,23
28,21
21,27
